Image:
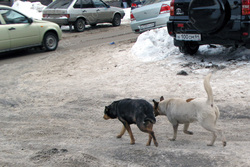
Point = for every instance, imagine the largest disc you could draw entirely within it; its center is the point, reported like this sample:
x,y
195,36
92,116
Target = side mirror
x,y
30,20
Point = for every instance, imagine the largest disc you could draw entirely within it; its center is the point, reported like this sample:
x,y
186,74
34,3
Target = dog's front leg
x,y
149,140
122,132
127,126
175,127
185,130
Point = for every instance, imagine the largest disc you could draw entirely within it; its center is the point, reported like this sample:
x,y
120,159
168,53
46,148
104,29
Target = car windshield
x,y
149,2
62,4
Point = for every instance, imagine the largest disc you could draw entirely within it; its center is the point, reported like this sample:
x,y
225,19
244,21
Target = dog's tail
x,y
150,119
208,88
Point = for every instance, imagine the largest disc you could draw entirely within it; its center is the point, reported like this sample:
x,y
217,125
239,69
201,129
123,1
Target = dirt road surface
x,y
51,106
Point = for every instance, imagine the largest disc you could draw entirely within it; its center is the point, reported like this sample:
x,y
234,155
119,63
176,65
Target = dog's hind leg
x,y
213,137
224,142
127,126
147,127
210,126
122,132
185,129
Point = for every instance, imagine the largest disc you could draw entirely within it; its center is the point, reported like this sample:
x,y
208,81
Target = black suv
x,y
197,22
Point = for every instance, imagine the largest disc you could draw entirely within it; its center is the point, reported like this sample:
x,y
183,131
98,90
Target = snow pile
x,y
157,45
154,45
126,18
33,9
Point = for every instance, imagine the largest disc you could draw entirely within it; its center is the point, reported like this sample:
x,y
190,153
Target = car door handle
x,y
84,11
12,28
98,10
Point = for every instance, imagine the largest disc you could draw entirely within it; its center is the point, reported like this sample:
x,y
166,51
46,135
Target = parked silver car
x,y
153,14
82,12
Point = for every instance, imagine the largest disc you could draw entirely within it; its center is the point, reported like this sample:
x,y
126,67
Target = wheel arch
x,y
115,14
52,31
82,17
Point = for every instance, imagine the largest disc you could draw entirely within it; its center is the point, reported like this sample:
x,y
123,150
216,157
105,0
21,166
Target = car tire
x,y
79,25
189,48
116,20
214,15
50,41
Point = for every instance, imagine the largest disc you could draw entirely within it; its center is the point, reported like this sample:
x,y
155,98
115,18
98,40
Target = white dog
x,y
180,111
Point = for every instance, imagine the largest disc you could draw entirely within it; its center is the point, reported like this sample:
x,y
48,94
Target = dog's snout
x,y
106,117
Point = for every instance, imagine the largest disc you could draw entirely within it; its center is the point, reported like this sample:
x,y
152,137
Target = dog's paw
x,y
224,143
132,142
119,136
209,144
156,144
188,132
172,139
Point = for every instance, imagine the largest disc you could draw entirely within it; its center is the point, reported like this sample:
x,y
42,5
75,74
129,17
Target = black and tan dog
x,y
181,111
133,111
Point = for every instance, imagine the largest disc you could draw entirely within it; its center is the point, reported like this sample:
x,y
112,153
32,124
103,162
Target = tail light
x,y
45,15
172,8
134,5
132,17
66,15
164,9
245,7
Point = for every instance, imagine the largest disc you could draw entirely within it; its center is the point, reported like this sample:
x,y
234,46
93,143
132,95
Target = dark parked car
x,y
196,22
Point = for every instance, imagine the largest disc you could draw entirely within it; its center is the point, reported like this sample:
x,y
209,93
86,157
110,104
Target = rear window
x,y
149,2
61,4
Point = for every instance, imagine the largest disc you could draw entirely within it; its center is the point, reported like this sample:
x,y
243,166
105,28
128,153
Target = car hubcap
x,y
51,42
117,21
80,25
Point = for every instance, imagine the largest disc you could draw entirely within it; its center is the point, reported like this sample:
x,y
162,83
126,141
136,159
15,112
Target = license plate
x,y
188,37
145,26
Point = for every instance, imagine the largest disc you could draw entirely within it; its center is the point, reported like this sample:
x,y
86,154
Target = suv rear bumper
x,y
234,33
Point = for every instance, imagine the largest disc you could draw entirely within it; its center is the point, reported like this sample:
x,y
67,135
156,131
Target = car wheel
x,y
116,20
79,25
189,48
50,41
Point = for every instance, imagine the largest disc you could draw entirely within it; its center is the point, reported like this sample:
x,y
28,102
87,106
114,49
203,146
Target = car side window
x,y
99,4
83,4
78,4
13,17
61,4
87,4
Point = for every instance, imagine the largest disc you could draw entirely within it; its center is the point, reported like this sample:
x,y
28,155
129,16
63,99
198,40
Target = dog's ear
x,y
155,104
162,98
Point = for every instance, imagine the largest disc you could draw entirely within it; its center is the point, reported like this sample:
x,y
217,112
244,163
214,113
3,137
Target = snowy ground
x,y
51,107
